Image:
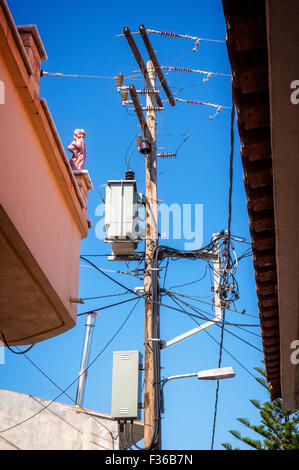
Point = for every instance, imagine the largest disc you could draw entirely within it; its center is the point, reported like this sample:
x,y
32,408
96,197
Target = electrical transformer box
x,y
121,216
126,388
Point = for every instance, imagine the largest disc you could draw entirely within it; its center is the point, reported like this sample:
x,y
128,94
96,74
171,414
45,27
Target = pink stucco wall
x,y
32,196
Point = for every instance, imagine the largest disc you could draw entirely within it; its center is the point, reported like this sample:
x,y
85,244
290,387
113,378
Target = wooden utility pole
x,y
151,243
152,434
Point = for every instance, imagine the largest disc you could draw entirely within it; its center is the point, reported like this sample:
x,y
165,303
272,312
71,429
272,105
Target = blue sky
x,y
80,38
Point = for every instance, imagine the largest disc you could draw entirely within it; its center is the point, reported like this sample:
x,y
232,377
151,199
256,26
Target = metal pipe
x,y
85,358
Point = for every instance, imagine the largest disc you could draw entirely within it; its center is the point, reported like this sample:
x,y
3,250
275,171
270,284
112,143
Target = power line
x,y
192,282
176,35
129,146
107,275
224,349
202,317
198,299
201,103
222,327
228,259
59,388
106,306
58,74
186,139
202,72
104,296
63,392
162,304
11,350
105,255
69,75
203,311
184,36
10,443
132,272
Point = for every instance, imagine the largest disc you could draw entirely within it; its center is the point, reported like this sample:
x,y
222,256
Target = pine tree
x,y
278,429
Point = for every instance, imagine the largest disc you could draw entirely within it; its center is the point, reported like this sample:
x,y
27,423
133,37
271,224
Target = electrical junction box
x,y
121,217
126,390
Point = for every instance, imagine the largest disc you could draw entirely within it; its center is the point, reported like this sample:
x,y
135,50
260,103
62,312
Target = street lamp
x,y
210,374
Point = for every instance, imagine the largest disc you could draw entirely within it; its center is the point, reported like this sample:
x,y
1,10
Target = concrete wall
x,y
58,427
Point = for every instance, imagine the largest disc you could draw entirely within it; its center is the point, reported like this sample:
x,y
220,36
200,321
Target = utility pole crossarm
x,y
140,61
156,64
138,109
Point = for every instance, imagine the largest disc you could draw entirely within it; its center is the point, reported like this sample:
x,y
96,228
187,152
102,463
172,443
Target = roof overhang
x,y
263,45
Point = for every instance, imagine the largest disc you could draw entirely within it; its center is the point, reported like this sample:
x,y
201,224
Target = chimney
x,y
34,48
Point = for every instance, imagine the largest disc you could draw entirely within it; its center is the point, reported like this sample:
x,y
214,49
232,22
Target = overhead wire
x,y
186,138
198,299
174,35
183,36
174,254
104,296
66,394
107,275
44,407
202,103
10,348
228,262
69,75
160,252
224,349
225,329
202,72
132,272
106,307
202,315
192,282
192,254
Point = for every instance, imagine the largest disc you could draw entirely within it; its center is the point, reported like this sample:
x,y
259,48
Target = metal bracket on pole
x,y
165,344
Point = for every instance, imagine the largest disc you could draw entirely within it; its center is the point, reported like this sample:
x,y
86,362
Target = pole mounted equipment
x,y
145,147
148,146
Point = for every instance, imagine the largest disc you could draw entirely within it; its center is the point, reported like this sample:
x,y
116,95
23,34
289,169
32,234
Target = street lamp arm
x,y
182,376
211,374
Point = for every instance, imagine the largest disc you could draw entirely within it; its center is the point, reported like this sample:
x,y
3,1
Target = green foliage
x,y
278,428
256,403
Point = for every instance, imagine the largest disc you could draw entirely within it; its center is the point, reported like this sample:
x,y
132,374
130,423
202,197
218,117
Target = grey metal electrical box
x,y
121,217
126,385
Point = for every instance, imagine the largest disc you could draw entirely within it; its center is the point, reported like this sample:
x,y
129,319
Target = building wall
x,y
31,196
283,47
58,427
